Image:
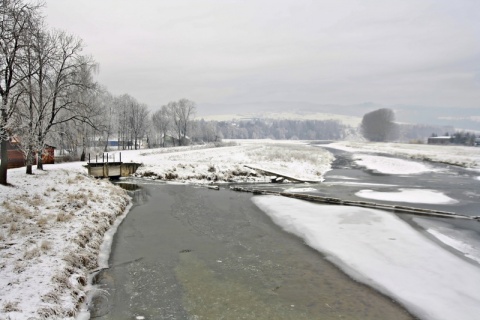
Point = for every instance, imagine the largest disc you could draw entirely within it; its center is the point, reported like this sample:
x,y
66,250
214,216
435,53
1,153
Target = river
x,y
186,252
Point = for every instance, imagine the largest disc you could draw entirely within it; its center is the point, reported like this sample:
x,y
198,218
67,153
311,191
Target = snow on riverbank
x,y
468,157
389,165
408,195
379,249
52,225
198,164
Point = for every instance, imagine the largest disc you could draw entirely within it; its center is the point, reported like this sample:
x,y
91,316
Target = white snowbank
x,y
468,157
390,165
408,195
52,225
379,249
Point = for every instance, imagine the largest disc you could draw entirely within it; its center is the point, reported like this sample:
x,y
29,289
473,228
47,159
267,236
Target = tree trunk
x,y
40,160
4,164
29,160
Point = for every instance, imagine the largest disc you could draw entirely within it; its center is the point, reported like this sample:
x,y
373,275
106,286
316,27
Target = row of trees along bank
x,y
45,80
49,95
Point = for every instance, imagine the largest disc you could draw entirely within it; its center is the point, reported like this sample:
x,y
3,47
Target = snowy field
x,y
53,224
228,164
468,157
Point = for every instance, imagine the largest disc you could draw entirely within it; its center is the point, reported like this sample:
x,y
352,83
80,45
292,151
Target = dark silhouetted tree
x,y
379,125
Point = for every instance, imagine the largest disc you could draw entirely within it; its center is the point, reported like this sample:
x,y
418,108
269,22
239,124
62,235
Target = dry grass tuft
x,y
13,228
64,217
17,210
32,253
50,312
35,201
19,267
42,222
51,297
63,280
11,307
46,245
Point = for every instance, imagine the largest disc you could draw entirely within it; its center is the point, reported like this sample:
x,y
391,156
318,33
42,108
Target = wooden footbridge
x,y
104,168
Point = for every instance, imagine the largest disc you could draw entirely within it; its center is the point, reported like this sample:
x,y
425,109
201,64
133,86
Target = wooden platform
x,y
279,177
111,169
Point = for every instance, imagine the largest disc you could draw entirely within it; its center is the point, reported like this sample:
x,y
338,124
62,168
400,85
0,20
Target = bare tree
x,y
182,114
161,121
63,84
105,102
15,24
138,122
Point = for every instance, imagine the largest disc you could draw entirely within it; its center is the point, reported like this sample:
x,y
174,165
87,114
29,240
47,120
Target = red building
x,y
16,158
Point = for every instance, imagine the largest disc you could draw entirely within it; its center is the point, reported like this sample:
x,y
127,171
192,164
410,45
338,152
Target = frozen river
x,y
187,252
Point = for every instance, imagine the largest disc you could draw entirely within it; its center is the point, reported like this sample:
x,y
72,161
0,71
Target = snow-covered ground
x,y
468,157
228,164
379,249
52,223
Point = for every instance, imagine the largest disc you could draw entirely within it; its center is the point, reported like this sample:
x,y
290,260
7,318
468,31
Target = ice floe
x,y
408,195
379,249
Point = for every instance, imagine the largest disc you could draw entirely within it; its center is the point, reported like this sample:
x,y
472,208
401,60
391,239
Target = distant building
x,y
444,140
16,158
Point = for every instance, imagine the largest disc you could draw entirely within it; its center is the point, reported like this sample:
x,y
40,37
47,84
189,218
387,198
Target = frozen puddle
x,y
391,165
379,249
408,195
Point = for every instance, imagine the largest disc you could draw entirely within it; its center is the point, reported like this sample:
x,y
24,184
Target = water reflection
x,y
139,194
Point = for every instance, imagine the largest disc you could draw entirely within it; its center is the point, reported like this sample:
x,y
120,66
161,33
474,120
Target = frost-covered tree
x,y
16,20
162,123
379,125
182,114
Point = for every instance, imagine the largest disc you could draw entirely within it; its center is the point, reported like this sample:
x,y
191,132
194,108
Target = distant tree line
x,y
380,126
463,137
282,129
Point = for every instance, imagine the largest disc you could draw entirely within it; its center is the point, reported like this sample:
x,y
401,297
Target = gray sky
x,y
413,52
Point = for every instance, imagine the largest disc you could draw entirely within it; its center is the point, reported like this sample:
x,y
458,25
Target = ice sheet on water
x,y
389,165
408,195
301,190
378,248
462,240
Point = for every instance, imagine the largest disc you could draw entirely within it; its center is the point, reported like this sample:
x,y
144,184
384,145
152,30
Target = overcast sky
x,y
413,52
